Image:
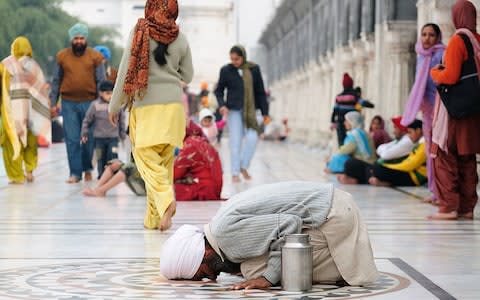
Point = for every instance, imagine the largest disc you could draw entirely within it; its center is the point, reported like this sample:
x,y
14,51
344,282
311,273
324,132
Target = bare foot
x,y
376,182
245,174
16,182
88,176
429,199
444,216
72,180
89,192
30,177
236,179
344,179
468,216
166,221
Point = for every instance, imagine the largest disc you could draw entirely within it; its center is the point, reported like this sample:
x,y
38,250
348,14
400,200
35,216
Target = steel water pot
x,y
297,263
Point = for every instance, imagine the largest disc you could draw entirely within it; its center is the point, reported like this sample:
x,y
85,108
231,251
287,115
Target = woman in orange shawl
x,y
457,141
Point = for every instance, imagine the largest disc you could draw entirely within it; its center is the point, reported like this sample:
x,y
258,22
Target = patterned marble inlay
x,y
138,279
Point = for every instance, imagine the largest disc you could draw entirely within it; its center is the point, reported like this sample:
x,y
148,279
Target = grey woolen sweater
x,y
164,82
255,222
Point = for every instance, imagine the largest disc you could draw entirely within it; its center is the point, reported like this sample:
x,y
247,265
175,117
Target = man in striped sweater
x,y
246,235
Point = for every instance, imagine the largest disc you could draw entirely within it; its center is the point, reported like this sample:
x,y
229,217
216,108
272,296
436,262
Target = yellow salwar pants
x,y
28,157
155,131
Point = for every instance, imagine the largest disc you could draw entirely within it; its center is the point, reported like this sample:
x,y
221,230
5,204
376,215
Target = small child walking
x,y
106,135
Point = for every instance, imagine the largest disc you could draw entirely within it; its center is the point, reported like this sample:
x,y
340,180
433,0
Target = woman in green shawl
x,y
245,94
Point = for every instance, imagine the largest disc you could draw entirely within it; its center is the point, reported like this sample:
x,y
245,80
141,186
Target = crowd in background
x,y
440,149
175,135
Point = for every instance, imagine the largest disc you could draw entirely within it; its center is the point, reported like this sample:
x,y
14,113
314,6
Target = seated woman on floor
x,y
197,168
412,171
358,144
377,131
359,172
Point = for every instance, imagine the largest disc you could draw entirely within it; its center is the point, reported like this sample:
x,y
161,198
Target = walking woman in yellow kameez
x,y
25,112
155,62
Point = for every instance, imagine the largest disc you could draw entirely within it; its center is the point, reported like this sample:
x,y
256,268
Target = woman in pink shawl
x,y
429,50
456,141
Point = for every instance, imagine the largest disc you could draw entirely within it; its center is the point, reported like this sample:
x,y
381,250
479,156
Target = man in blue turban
x,y
110,72
78,72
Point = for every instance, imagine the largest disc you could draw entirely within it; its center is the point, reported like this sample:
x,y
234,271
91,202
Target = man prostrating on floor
x,y
247,232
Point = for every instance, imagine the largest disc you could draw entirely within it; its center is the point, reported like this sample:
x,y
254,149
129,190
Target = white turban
x,y
182,253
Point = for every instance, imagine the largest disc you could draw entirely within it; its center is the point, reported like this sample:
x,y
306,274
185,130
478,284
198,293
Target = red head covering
x,y
193,130
397,121
464,15
158,24
347,81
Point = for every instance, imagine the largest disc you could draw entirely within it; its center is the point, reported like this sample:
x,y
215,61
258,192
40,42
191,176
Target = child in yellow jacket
x,y
412,171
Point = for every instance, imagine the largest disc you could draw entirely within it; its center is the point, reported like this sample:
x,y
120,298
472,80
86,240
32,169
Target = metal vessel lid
x,y
297,238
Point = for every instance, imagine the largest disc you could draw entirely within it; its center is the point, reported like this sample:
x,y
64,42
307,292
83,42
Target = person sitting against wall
x,y
412,171
357,144
359,172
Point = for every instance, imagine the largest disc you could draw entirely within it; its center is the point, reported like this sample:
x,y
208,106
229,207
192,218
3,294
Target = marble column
x,y
399,61
439,12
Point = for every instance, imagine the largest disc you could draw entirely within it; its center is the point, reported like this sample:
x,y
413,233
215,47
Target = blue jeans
x,y
241,151
106,149
79,155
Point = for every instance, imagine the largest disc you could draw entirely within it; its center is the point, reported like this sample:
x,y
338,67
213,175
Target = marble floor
x,y
57,244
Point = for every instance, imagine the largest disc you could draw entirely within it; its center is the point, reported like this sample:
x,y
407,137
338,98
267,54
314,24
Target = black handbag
x,y
463,98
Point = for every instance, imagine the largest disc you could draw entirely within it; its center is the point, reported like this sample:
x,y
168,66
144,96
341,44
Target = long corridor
x,y
58,244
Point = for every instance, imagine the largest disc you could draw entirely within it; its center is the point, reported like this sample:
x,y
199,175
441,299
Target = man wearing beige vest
x,y
246,235
78,72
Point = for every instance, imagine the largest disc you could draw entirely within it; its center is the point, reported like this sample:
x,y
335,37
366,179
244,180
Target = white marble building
x,y
311,43
209,26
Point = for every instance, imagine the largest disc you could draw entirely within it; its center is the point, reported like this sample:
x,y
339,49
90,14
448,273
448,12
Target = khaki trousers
x,y
341,247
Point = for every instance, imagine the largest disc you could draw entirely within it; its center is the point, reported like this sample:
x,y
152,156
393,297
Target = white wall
x,y
252,19
210,29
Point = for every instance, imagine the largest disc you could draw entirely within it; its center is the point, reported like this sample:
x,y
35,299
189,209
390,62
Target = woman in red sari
x,y
197,168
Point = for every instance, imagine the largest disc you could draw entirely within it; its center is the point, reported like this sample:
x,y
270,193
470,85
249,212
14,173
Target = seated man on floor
x,y
412,171
359,172
246,235
197,168
115,173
